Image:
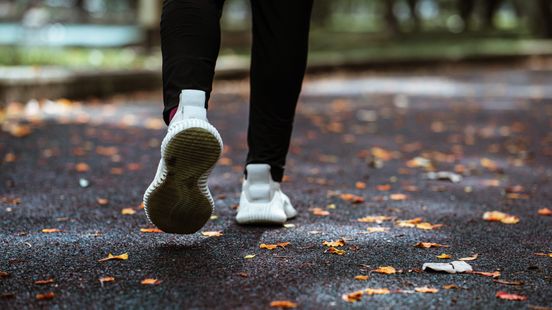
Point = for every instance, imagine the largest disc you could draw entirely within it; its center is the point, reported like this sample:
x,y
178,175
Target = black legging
x,y
190,42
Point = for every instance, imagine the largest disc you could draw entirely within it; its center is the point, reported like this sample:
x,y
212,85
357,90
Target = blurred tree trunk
x,y
465,9
490,8
414,14
390,19
539,15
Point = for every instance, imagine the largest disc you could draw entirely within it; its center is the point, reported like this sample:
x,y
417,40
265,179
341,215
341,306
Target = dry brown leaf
x,y
319,212
102,201
216,233
361,277
360,185
353,297
470,258
443,256
20,130
107,279
337,243
545,212
385,270
42,282
45,296
273,246
544,254
352,198
383,187
374,219
128,211
110,256
284,304
150,230
450,286
50,230
398,197
4,274
497,216
494,274
508,282
409,223
150,281
376,291
377,229
426,289
82,167
508,296
427,245
335,251
428,226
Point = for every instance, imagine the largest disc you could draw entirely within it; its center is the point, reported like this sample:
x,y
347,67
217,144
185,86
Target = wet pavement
x,y
72,178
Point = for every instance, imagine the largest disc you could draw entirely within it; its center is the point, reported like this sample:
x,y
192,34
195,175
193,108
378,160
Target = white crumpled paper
x,y
452,267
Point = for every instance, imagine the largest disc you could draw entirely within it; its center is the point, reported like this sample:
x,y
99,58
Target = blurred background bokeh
x,y
124,33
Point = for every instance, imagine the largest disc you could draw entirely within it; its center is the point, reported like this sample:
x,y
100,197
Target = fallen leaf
x,y
360,185
385,270
428,226
427,245
319,212
273,246
383,187
19,130
285,304
398,197
216,233
443,256
508,296
409,223
110,256
374,219
544,254
45,296
497,216
150,281
353,297
377,229
352,198
107,279
42,282
361,277
82,167
494,274
335,251
500,281
470,258
426,289
450,286
250,256
50,230
150,230
4,274
128,211
337,243
545,212
102,201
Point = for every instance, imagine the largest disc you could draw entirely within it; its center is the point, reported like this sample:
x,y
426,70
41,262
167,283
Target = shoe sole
x,y
180,201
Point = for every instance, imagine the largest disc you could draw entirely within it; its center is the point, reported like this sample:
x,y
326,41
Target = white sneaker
x,y
262,201
178,200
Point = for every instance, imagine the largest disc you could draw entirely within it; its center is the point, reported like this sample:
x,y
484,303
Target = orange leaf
x,y
352,198
376,291
45,296
398,197
128,211
286,304
268,246
216,233
110,256
497,216
426,289
494,274
82,167
50,230
360,185
353,297
385,270
470,258
508,296
361,277
40,282
443,256
374,219
508,282
335,251
102,201
427,245
337,243
383,187
319,212
428,226
450,286
107,279
544,254
150,230
150,281
545,211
